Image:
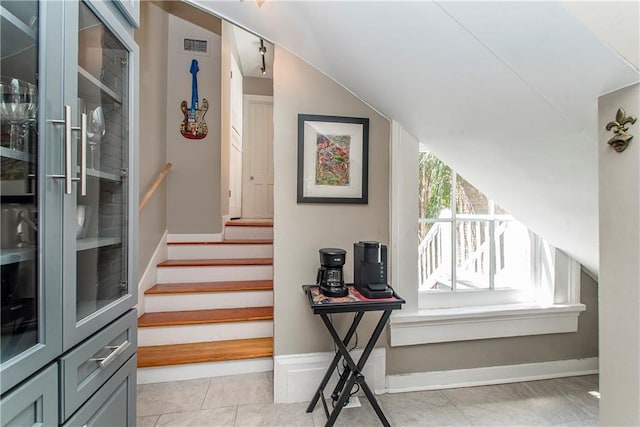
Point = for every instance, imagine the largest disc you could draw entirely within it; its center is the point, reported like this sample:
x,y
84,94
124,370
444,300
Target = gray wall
x,y
505,351
301,229
194,183
152,39
257,86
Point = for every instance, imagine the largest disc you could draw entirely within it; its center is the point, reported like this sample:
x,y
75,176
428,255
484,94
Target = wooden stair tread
x,y
226,242
187,288
200,317
214,351
249,223
215,262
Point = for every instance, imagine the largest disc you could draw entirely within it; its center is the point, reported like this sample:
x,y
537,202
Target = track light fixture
x,y
263,51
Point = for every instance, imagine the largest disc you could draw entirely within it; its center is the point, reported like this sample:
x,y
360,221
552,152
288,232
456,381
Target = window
x,y
505,280
492,251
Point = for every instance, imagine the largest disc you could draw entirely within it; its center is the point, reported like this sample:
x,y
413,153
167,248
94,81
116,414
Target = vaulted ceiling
x,y
505,92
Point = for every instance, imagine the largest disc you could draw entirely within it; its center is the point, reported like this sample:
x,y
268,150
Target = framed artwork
x,y
333,155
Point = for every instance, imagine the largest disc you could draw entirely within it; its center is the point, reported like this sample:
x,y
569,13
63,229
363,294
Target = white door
x,y
257,191
235,149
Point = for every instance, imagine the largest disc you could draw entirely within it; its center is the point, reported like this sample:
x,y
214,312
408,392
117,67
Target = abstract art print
x,y
332,159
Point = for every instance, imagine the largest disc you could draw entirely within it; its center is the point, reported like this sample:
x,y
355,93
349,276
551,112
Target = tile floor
x,y
246,400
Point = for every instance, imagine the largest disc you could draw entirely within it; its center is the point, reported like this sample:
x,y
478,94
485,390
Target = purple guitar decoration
x,y
193,125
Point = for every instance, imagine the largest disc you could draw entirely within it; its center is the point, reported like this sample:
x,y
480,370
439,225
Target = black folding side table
x,y
352,374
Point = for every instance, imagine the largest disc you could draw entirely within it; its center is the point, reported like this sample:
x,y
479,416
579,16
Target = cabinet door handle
x,y
67,149
66,122
83,154
104,361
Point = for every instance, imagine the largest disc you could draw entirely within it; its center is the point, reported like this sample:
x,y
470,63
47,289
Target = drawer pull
x,y
104,361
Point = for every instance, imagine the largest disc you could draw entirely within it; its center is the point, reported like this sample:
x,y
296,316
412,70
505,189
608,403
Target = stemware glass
x,y
96,129
31,101
18,108
4,104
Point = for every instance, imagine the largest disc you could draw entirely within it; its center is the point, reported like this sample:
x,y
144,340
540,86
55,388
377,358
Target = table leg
x,y
374,403
342,400
336,358
355,374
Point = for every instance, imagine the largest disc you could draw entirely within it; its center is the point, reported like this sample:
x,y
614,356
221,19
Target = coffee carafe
x,y
330,278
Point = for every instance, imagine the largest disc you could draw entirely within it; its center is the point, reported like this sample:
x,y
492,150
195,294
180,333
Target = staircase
x,y
211,312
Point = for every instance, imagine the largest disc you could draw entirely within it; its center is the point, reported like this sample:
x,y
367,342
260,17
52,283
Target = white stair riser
x,y
214,273
183,334
248,233
203,370
228,251
205,301
195,237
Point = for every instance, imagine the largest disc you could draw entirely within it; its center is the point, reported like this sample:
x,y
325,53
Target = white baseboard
x,y
201,237
194,371
492,375
296,377
150,276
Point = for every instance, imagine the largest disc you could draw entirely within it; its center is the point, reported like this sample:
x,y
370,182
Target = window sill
x,y
473,323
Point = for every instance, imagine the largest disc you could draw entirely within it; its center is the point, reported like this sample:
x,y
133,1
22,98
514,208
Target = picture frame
x,y
333,159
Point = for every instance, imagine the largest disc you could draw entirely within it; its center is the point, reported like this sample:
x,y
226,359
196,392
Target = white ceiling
x,y
505,92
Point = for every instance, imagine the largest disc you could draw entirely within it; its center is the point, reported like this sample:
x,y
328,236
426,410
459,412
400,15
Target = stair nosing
x,y
224,242
226,262
205,321
224,286
249,224
200,357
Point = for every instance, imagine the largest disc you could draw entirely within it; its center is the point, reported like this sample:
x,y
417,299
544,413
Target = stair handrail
x,y
154,185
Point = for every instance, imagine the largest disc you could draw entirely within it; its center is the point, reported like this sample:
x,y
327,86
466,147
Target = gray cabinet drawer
x,y
114,404
34,403
84,369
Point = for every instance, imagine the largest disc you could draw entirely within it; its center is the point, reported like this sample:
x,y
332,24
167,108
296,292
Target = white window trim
x,y
411,325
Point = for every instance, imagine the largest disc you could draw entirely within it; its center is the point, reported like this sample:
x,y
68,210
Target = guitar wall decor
x,y
193,125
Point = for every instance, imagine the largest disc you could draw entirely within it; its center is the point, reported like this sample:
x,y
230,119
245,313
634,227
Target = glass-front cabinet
x,y
66,184
96,255
30,289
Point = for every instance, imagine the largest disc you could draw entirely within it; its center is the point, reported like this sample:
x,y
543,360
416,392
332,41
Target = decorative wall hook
x,y
621,138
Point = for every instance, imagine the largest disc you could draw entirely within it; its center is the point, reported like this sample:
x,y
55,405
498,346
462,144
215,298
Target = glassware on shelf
x,y
96,129
83,218
18,108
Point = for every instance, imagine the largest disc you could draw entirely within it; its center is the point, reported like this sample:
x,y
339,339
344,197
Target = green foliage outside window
x,y
434,186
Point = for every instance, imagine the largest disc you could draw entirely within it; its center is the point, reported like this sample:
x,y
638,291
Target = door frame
x,y
245,170
235,211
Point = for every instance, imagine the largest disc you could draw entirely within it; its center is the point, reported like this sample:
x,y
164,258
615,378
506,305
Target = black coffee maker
x,y
370,270
330,278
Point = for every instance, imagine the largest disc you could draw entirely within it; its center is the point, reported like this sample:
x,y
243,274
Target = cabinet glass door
x,y
18,190
100,211
27,328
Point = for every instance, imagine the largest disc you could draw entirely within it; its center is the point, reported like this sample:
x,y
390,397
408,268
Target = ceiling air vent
x,y
195,46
